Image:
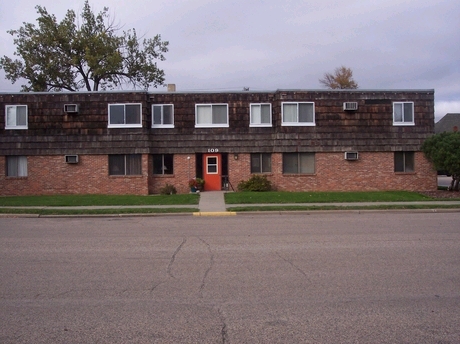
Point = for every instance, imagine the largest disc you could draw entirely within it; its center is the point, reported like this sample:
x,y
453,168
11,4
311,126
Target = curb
x,y
215,213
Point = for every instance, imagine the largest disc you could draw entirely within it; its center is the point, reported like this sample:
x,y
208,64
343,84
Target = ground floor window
x,y
299,163
125,164
404,162
163,164
261,163
16,166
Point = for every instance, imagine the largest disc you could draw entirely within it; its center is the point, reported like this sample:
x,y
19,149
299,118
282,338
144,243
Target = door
x,y
212,173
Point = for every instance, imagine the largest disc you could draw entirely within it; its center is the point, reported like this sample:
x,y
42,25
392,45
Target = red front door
x,y
212,173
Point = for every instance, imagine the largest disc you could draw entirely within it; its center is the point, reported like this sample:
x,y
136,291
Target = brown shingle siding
x,y
51,130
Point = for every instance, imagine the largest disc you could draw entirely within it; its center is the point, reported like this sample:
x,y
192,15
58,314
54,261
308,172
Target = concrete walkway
x,y
212,202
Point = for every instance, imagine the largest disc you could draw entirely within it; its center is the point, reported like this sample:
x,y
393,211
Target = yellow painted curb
x,y
215,213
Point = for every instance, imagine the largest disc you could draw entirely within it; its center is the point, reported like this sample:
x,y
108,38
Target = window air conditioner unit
x,y
350,106
351,155
71,108
71,159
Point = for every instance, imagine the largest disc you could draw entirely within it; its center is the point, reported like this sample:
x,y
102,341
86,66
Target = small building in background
x,y
450,122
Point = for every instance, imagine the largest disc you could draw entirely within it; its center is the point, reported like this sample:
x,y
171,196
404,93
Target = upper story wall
x,y
371,127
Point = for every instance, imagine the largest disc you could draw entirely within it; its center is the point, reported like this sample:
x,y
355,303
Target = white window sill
x,y
297,124
124,126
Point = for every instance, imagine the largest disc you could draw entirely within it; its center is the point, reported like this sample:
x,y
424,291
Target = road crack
x,y
211,263
171,261
293,265
224,330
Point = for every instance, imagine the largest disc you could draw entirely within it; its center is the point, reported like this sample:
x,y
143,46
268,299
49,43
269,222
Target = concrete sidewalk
x,y
212,203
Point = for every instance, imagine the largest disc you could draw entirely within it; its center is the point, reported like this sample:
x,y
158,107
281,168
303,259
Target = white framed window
x,y
261,115
16,166
298,163
125,115
211,115
163,116
16,117
212,166
125,164
403,113
298,114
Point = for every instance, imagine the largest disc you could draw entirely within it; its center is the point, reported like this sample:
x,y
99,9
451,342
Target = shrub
x,y
168,189
255,183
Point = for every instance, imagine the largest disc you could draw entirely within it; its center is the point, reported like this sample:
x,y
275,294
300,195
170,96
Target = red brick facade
x,y
373,171
47,175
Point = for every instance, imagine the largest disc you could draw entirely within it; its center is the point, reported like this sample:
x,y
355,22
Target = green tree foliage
x,y
443,150
342,78
89,54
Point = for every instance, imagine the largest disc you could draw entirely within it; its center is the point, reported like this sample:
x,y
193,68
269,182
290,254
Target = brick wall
x,y
184,169
51,175
373,171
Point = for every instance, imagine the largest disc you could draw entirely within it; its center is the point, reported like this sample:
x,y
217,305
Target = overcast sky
x,y
290,44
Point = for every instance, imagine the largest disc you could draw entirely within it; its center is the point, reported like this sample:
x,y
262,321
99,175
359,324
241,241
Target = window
x,y
261,163
403,113
163,164
261,115
16,117
163,116
404,162
16,166
125,165
299,163
125,116
298,114
211,115
211,165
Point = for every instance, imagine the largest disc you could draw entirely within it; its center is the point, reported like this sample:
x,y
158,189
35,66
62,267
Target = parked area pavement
x,y
262,278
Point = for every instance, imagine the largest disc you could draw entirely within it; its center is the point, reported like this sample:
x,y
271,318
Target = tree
x,y
341,79
443,150
93,55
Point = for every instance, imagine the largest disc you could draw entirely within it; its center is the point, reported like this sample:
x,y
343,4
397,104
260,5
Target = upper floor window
x,y
16,166
261,115
163,116
125,116
211,115
403,113
301,114
16,117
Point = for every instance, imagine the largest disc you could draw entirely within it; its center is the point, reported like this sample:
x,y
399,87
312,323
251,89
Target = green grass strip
x,y
331,207
98,200
323,197
97,211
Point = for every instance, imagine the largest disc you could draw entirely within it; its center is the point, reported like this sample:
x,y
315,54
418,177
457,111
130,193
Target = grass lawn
x,y
322,197
42,212
344,207
101,200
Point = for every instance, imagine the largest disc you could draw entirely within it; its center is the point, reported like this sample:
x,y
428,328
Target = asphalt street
x,y
372,277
